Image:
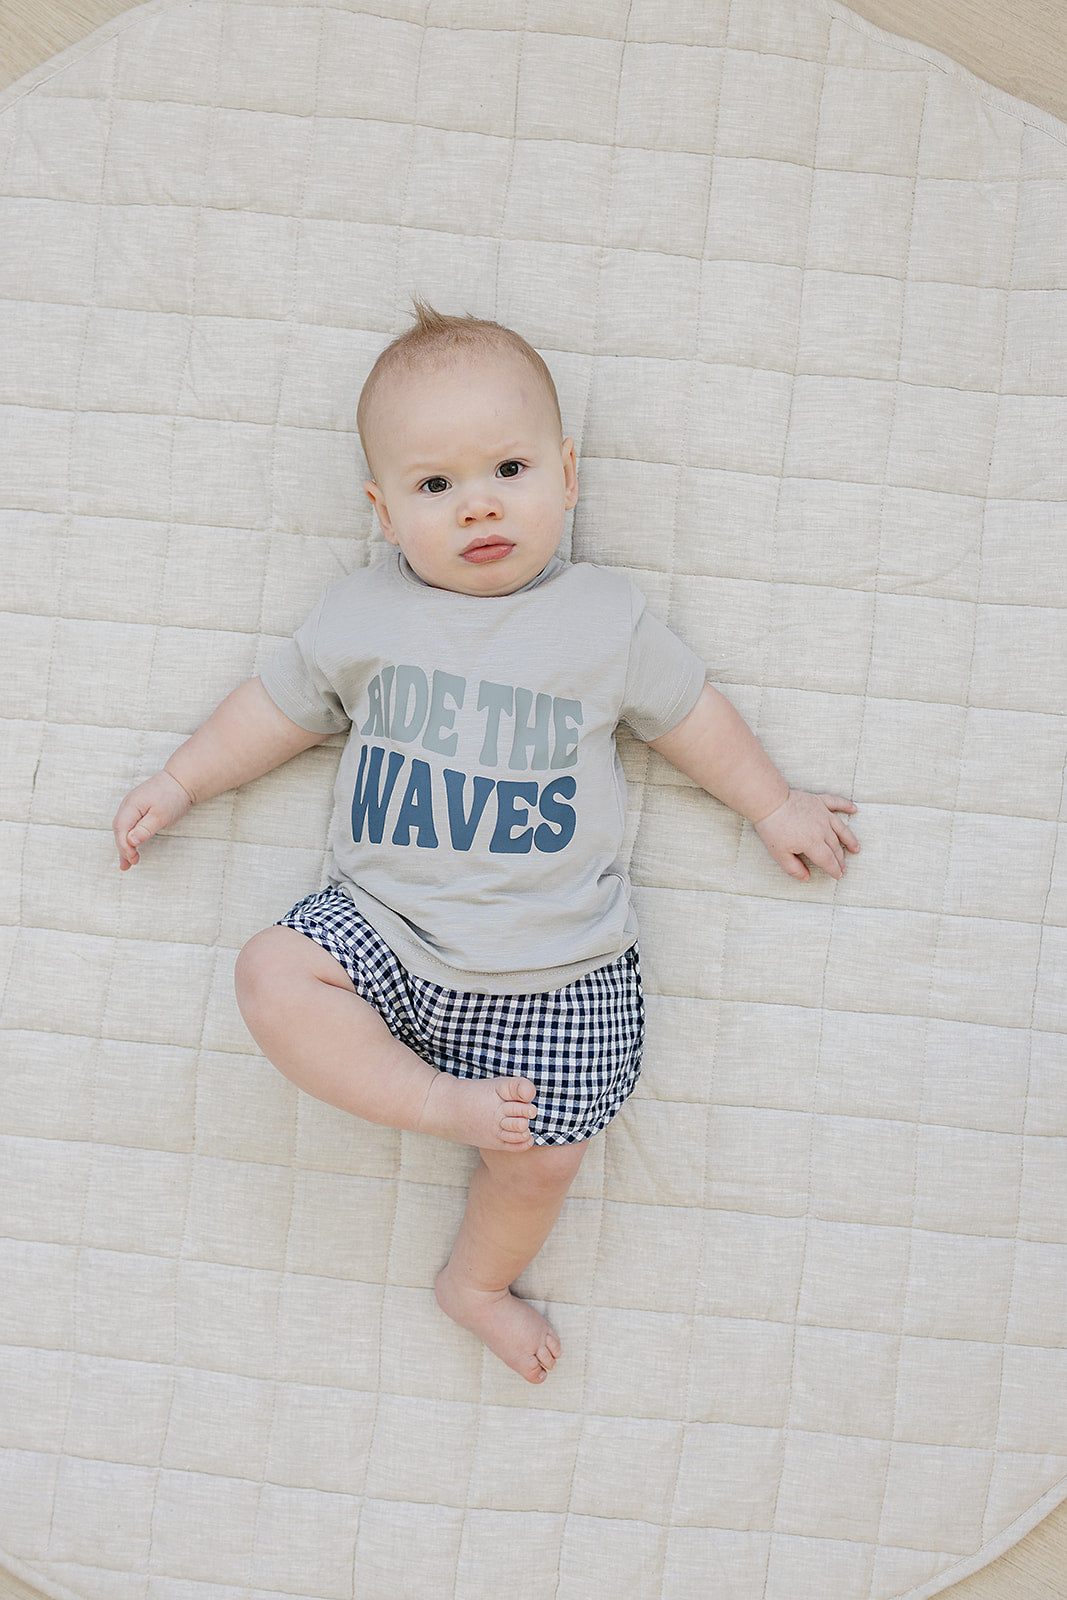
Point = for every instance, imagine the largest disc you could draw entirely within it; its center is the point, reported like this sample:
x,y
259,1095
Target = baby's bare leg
x,y
302,1010
514,1200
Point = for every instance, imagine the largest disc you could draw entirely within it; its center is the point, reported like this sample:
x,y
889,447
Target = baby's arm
x,y
716,747
244,737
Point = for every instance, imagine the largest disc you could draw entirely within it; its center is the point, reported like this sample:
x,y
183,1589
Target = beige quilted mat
x,y
801,285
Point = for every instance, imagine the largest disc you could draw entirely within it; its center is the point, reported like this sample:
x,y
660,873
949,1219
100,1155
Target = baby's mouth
x,y
494,548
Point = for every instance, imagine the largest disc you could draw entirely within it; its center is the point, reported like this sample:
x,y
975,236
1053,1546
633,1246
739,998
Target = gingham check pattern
x,y
579,1045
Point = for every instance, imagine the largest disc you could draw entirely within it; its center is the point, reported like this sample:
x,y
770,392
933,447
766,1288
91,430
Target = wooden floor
x,y
1019,45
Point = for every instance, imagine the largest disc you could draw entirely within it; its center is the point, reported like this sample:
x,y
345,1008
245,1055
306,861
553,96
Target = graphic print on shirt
x,y
517,729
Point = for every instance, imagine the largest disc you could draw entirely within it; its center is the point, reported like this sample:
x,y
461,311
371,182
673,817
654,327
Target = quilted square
x,y
639,289
303,1534
960,232
49,1179
668,95
222,1510
329,1332
188,44
662,1242
136,1200
190,132
961,140
218,1423
50,1094
758,211
958,1287
238,1213
488,62
227,1319
568,88
849,325
738,418
740,1372
752,1263
658,198
761,1161
953,336
845,1382
727,1476
644,1356
870,122
590,1544
946,1480
948,1391
497,1544
368,66
749,314
832,1486
84,128
102,1513
35,1394
37,262
405,1544
853,1276
320,1438
770,106
123,1303
340,1226
40,352
612,1479
557,189
375,149
546,1443
1034,577
859,222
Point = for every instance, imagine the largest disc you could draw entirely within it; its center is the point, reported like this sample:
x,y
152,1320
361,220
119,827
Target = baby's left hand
x,y
808,825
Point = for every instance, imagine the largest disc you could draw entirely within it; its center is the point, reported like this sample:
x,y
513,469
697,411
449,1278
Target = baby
x,y
471,970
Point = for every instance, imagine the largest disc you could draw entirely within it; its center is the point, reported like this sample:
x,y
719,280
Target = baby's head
x,y
472,477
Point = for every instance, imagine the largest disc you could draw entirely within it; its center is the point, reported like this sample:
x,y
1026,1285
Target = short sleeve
x,y
299,687
663,681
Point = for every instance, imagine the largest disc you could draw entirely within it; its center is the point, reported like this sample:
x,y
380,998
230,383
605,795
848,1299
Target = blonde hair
x,y
435,338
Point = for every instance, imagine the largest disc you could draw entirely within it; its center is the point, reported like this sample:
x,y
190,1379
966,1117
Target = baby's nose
x,y
480,506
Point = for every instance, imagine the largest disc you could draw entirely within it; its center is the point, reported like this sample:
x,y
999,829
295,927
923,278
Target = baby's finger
x,y
837,802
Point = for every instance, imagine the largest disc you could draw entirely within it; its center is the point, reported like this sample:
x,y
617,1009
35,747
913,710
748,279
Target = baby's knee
x,y
256,972
541,1171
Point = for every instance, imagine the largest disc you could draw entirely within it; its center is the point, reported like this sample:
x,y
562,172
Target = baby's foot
x,y
492,1113
512,1328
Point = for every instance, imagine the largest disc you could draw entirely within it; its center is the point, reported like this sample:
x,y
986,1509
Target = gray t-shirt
x,y
480,803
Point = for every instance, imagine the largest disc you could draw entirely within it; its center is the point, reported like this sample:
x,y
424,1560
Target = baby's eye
x,y
509,469
435,485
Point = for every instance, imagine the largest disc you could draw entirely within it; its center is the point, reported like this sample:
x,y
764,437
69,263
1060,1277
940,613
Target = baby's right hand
x,y
154,804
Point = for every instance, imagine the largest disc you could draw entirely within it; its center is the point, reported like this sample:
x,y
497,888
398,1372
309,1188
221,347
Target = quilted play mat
x,y
801,286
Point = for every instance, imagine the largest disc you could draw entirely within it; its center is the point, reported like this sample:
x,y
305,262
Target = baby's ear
x,y
570,473
377,500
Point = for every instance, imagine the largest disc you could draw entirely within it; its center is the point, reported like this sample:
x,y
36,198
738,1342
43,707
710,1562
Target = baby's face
x,y
472,480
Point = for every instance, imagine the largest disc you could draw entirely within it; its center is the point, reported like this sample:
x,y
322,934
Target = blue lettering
x,y
369,802
461,826
553,811
510,816
416,809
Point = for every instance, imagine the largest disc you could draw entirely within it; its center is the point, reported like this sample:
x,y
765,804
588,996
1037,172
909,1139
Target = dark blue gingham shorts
x,y
580,1045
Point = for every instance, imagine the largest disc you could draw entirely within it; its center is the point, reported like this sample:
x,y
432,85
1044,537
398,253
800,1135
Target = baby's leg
x,y
514,1200
302,1009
